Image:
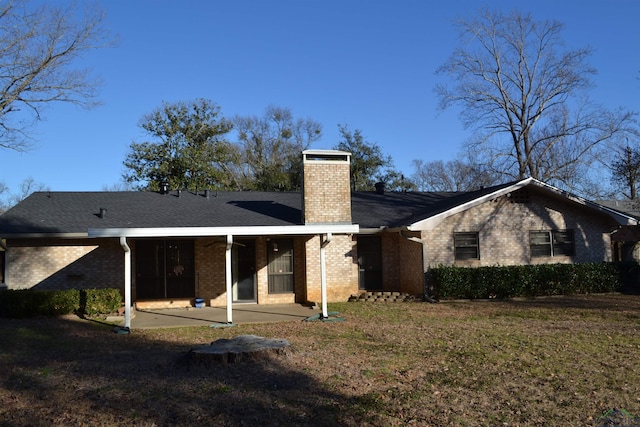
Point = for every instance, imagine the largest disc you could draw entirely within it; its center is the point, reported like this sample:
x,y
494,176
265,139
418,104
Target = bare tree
x,y
516,84
28,186
454,175
625,171
270,148
38,47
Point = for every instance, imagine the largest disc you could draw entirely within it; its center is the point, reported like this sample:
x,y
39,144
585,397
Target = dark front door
x,y
370,263
165,269
244,270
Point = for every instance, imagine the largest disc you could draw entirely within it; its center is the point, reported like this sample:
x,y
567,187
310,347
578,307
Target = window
x,y
552,243
280,253
165,268
466,245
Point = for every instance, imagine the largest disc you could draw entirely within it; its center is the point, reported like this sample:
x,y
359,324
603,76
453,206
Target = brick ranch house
x,y
324,244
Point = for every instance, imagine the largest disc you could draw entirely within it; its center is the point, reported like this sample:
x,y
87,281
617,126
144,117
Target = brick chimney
x,y
326,189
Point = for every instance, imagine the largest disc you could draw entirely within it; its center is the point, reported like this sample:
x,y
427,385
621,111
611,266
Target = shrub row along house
x,y
324,244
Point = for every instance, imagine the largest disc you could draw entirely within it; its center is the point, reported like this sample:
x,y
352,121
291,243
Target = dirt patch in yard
x,y
554,361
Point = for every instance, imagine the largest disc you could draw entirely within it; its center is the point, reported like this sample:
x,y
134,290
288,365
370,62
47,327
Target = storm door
x,y
165,269
370,263
243,273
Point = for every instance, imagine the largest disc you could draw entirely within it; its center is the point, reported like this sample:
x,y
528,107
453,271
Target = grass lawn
x,y
562,361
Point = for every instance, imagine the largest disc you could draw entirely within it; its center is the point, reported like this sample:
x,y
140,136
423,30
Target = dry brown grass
x,y
557,361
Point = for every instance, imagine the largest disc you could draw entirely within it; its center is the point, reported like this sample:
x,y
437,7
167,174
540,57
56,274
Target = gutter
x,y
425,265
127,284
323,274
284,230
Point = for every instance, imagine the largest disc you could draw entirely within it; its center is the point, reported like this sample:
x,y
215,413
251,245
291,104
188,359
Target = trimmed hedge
x,y
30,303
450,282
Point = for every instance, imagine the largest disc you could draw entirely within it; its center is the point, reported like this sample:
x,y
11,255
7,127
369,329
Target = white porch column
x,y
127,282
323,275
228,279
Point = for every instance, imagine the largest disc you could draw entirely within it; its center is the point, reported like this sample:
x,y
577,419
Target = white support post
x,y
323,275
228,279
127,282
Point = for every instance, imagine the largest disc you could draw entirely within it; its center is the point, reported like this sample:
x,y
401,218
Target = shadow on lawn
x,y
609,302
69,372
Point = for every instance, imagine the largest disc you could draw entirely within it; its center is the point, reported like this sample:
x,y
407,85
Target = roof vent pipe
x,y
103,212
379,187
164,187
206,193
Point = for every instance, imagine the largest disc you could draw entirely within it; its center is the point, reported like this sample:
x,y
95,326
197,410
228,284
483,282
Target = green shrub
x,y
31,303
99,301
451,282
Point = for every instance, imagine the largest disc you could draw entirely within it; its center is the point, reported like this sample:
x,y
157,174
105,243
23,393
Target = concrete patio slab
x,y
217,316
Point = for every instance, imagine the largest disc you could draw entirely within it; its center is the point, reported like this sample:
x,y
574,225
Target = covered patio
x,y
217,316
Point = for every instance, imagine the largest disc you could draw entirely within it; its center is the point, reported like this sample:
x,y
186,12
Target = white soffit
x,y
225,231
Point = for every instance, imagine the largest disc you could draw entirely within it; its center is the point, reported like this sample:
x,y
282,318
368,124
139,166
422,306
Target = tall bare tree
x,y
625,171
270,147
38,47
454,175
28,186
523,92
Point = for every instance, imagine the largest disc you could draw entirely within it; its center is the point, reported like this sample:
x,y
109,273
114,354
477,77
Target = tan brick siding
x,y
210,272
341,269
327,192
59,264
503,228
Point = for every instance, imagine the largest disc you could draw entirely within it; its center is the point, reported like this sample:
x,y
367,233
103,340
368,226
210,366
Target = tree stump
x,y
236,350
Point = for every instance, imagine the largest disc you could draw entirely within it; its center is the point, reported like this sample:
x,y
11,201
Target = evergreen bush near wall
x,y
525,280
30,303
99,301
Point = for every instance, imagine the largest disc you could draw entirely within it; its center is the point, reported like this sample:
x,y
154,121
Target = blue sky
x,y
368,63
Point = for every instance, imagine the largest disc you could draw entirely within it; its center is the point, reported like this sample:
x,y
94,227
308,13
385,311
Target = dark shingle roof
x,y
629,207
76,212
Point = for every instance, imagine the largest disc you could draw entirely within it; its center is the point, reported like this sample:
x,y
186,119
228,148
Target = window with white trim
x,y
550,243
466,245
280,267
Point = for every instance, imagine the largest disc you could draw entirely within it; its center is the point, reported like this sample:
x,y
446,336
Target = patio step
x,y
165,303
383,297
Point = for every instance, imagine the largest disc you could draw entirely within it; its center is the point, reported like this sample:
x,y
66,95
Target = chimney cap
x,y
326,155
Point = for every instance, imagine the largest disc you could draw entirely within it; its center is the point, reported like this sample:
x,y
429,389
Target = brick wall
x,y
327,192
503,227
341,269
210,272
59,264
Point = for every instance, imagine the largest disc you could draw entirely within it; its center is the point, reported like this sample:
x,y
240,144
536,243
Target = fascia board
x,y
429,224
621,218
225,231
45,236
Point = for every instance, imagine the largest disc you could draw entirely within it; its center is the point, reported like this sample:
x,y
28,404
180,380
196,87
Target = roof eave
x,y
77,235
308,229
431,222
